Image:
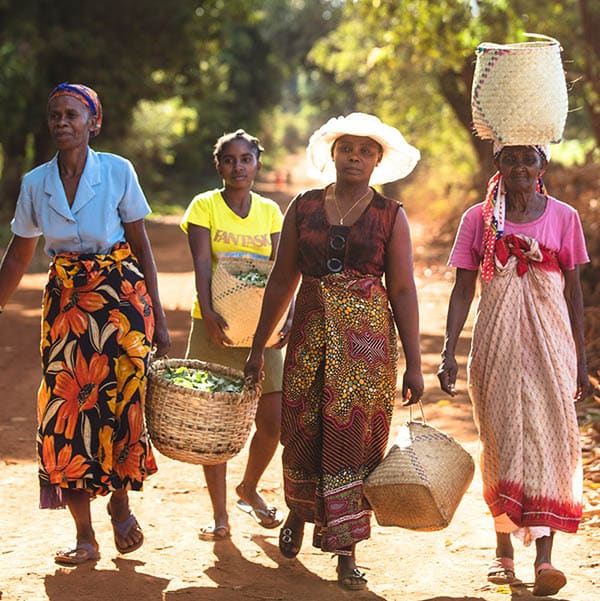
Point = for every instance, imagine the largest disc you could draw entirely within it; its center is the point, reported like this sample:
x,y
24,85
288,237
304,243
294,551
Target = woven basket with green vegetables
x,y
238,285
198,412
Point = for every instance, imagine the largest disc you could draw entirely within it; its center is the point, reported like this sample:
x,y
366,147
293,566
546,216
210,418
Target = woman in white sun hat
x,y
340,370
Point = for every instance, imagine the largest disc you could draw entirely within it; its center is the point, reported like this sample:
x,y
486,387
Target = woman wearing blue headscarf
x,y
101,315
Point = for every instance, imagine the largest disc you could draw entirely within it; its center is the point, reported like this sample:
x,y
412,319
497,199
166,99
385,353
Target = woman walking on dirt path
x,y
527,363
235,221
101,315
341,362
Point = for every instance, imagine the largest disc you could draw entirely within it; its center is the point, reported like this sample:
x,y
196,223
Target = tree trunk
x,y
590,20
43,148
14,163
456,89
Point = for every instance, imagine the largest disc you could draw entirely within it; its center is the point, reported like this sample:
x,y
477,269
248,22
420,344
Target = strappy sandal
x,y
290,540
548,580
80,554
354,580
501,571
268,518
213,533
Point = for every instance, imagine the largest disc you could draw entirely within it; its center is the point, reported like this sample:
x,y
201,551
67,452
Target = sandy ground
x,y
173,564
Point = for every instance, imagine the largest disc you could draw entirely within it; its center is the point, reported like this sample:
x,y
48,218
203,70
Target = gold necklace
x,y
342,217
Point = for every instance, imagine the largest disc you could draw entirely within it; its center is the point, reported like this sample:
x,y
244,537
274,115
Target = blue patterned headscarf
x,y
84,94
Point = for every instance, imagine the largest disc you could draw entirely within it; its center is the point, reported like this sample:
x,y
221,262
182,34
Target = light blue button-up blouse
x,y
107,196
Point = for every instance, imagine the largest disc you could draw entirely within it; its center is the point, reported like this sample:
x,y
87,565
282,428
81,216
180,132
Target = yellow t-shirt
x,y
230,234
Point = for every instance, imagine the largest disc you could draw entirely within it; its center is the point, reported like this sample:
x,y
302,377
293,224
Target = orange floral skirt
x,y
97,329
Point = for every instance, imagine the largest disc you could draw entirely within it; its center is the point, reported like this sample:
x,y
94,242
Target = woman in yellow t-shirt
x,y
235,221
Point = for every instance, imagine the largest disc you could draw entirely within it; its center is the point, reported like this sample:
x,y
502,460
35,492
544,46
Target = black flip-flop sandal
x,y
290,541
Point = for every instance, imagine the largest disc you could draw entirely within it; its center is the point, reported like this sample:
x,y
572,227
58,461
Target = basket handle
x,y
253,386
152,357
542,37
410,413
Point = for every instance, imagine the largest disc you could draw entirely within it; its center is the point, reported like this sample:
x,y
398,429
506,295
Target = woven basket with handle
x,y
238,302
519,93
421,480
196,426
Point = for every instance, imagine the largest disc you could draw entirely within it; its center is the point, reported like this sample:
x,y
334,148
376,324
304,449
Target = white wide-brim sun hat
x,y
399,157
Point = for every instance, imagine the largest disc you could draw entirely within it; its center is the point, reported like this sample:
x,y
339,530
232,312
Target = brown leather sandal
x,y
501,571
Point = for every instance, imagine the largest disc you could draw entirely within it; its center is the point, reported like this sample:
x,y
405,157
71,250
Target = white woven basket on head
x,y
519,93
238,302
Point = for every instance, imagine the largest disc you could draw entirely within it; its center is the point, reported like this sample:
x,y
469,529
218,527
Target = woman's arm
x,y
136,236
574,298
402,292
16,259
279,291
215,324
461,298
284,333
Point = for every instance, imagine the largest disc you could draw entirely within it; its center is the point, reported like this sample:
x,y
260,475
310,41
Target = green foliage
x,y
416,72
5,235
159,58
156,130
205,381
402,69
113,46
174,75
47,42
309,94
576,152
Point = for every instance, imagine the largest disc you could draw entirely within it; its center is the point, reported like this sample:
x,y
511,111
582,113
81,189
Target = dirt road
x,y
174,564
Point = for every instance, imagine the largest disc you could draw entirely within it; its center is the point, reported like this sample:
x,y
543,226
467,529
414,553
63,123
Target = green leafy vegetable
x,y
253,277
202,380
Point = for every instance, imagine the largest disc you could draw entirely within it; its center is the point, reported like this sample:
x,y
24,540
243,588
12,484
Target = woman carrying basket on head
x,y
101,314
341,362
235,221
527,363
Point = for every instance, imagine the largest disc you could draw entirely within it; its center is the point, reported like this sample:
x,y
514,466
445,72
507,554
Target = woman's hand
x,y
284,334
215,327
412,386
584,387
254,368
162,339
447,374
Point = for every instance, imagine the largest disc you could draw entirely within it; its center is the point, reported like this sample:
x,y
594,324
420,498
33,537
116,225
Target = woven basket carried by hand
x,y
519,93
421,480
240,303
196,426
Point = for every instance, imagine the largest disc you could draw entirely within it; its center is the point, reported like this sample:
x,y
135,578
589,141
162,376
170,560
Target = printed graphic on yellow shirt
x,y
245,240
232,235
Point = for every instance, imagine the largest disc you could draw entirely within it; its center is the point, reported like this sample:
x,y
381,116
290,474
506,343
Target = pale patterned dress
x,y
522,372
